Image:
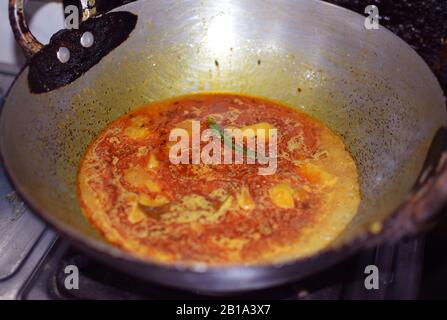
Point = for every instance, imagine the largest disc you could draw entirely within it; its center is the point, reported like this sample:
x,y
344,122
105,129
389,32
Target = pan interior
x,y
366,85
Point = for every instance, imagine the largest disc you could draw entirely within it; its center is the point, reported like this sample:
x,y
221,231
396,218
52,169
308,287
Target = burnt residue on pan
x,y
47,73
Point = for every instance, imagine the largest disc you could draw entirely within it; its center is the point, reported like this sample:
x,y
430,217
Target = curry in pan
x,y
248,205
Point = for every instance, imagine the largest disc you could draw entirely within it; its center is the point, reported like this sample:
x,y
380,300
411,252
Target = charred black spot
x,y
48,73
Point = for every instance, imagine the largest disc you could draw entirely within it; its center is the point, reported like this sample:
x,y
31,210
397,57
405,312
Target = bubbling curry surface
x,y
218,214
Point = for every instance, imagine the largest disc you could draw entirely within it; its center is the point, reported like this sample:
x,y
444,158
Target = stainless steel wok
x,y
367,85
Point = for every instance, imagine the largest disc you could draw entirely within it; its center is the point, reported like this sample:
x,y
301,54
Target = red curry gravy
x,y
218,214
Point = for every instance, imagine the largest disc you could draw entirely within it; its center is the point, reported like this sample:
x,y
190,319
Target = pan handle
x,y
29,44
90,8
71,52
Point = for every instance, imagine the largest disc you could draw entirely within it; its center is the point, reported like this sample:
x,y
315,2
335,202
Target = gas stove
x,y
33,257
24,239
